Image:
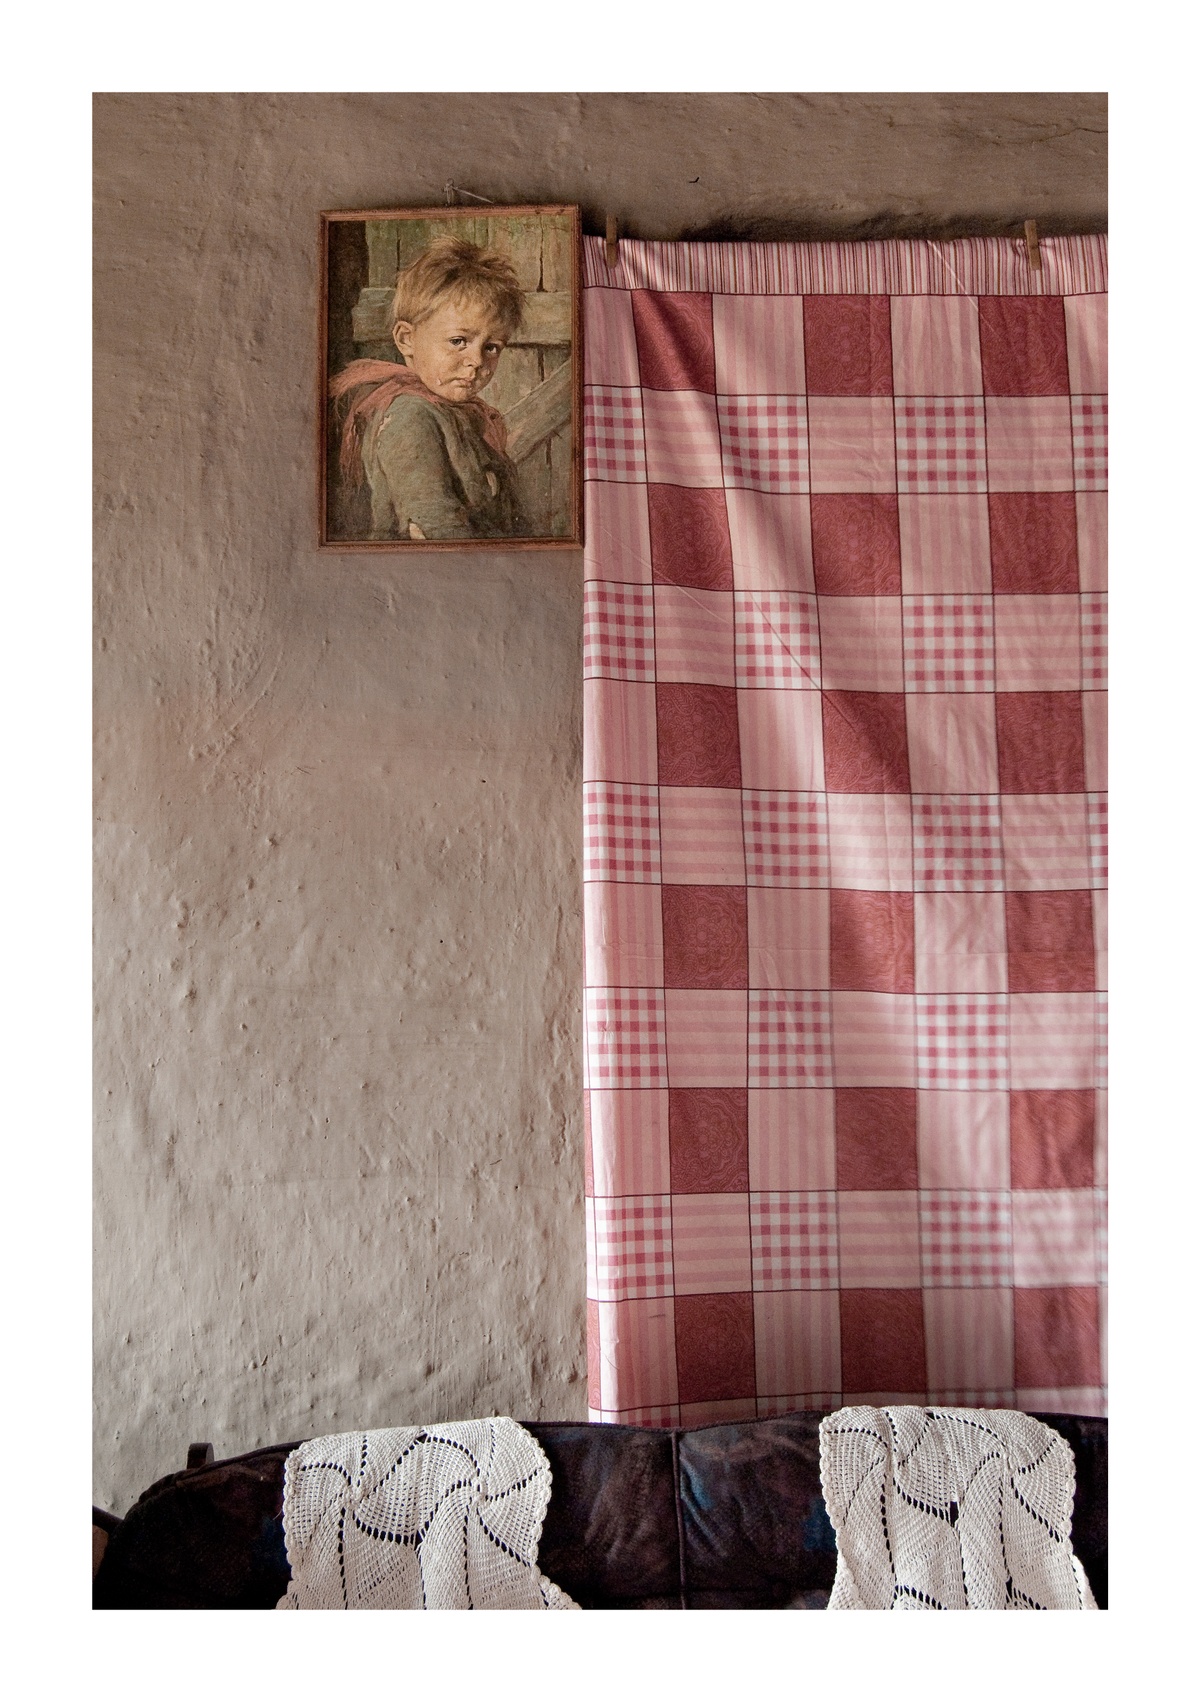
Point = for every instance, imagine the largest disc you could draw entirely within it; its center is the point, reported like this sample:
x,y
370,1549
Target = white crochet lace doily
x,y
950,1507
434,1516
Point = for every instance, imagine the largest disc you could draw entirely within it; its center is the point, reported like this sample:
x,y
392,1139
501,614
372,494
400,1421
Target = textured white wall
x,y
338,1137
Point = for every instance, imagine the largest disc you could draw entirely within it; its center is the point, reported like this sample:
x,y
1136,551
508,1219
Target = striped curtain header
x,y
986,265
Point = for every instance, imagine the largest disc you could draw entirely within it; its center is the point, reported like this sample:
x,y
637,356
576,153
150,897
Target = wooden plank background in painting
x,y
532,387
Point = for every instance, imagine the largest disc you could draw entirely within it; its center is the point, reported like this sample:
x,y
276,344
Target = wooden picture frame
x,y
427,461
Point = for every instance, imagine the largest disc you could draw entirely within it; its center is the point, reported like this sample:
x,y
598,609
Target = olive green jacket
x,y
428,465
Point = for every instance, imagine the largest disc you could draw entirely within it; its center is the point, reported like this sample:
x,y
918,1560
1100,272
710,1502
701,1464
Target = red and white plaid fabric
x,y
633,1247
620,832
777,639
626,1037
764,442
786,839
845,826
957,845
789,1041
1094,623
962,1040
613,438
966,1239
949,644
794,1241
618,632
940,444
1089,431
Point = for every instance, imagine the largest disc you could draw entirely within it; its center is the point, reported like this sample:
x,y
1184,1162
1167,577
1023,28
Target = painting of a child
x,y
415,438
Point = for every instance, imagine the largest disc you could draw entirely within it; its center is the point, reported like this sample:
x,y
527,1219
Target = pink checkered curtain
x,y
844,794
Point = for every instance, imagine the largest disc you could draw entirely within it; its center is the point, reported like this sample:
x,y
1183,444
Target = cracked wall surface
x,y
338,1140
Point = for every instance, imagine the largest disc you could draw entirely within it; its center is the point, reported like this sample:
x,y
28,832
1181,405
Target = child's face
x,y
454,350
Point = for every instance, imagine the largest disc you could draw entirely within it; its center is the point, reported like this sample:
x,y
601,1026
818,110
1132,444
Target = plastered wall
x,y
338,1141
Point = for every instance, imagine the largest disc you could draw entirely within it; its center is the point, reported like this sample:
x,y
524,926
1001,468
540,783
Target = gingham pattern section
x,y
787,838
633,1248
790,1039
793,1241
874,676
614,443
966,1239
626,1037
1094,628
1089,441
620,832
957,844
764,442
940,445
618,631
776,639
949,644
962,1040
1097,831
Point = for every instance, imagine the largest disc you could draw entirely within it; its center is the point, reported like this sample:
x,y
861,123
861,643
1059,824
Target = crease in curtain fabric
x,y
844,827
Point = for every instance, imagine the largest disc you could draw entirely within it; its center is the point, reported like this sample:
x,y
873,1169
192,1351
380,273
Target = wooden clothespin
x,y
1031,245
610,242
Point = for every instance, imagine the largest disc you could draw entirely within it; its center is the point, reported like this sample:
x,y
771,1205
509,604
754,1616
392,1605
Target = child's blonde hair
x,y
451,266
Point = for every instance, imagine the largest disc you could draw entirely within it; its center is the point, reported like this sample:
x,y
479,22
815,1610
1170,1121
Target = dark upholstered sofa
x,y
726,1516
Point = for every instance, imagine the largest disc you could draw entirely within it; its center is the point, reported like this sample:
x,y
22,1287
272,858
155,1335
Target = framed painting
x,y
451,379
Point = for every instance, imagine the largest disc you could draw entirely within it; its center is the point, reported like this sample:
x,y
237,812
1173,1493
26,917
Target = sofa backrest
x,y
727,1515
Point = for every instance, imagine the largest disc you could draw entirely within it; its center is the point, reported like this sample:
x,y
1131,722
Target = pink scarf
x,y
381,381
